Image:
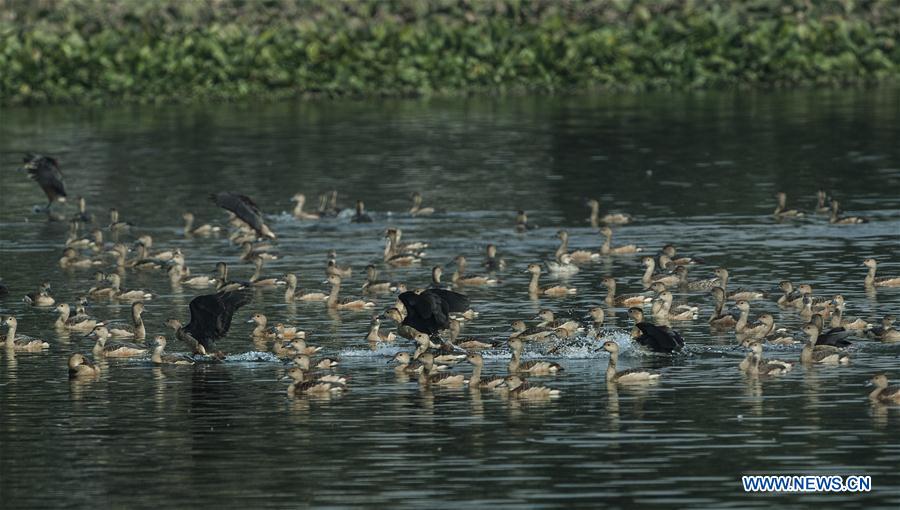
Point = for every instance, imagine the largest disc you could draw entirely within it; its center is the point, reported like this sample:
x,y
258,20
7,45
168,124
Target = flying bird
x,y
211,316
245,209
45,171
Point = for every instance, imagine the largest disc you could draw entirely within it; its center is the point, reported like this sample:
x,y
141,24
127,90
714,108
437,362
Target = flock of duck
x,y
431,318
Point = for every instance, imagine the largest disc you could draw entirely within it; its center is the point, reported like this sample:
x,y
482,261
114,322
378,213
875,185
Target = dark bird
x,y
211,316
658,338
245,209
361,215
429,312
835,337
45,171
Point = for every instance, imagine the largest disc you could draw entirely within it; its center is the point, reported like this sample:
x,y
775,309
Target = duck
x,y
200,231
393,257
781,210
224,284
811,355
522,224
403,330
251,251
160,357
72,260
136,330
333,268
40,297
653,337
670,252
417,209
533,367
761,330
178,276
335,303
609,219
375,286
45,171
81,367
291,293
143,261
519,388
523,332
719,318
662,309
430,376
257,280
311,386
597,316
553,291
699,285
743,326
871,281
261,329
458,277
790,297
885,332
837,318
21,343
634,375
298,212
563,328
73,323
73,240
822,206
328,206
305,363
740,294
406,363
476,380
577,256
836,337
245,210
163,256
563,266
759,366
492,262
281,330
626,300
361,216
649,272
677,277
883,393
395,234
116,225
106,349
126,295
210,320
837,219
375,335
430,311
607,249
468,344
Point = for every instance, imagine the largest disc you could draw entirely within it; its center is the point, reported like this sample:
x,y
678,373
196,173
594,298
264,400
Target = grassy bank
x,y
54,51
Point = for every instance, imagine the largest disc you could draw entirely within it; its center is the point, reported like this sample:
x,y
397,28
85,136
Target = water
x,y
699,171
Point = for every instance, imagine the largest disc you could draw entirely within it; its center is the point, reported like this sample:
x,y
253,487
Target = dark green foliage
x,y
137,50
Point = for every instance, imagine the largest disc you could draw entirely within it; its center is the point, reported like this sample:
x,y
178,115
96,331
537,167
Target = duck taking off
x,y
211,316
245,209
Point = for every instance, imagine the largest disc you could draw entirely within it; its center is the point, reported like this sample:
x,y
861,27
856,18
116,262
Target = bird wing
x,y
244,208
45,171
455,301
211,314
659,339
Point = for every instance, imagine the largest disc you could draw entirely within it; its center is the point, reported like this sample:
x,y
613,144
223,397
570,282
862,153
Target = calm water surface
x,y
699,171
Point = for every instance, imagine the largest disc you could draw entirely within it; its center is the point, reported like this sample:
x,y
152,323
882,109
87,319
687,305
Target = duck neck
x,y
298,209
648,273
98,346
533,284
373,333
870,277
611,293
475,378
837,318
595,215
333,296
611,367
605,247
563,247
63,317
188,225
259,329
290,290
876,393
156,357
742,321
11,337
806,355
256,272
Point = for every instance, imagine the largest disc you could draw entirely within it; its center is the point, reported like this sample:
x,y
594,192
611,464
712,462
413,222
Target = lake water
x,y
699,171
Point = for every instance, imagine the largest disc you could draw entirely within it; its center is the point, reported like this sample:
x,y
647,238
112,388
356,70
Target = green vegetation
x,y
173,50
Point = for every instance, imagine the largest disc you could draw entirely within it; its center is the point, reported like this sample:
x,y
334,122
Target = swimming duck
x,y
719,318
634,375
305,363
650,264
790,296
126,295
334,269
553,291
143,261
160,357
607,249
523,332
281,330
430,311
810,354
417,209
609,219
522,224
251,251
312,386
476,380
261,330
298,211
533,367
578,256
563,266
626,300
653,337
378,336
882,392
72,260
403,330
781,210
491,261
836,337
563,328
65,321
291,293
516,387
760,330
80,366
743,325
108,349
348,304
469,344
117,226
740,294
83,215
245,210
837,318
361,216
375,286
393,258
178,276
597,316
837,219
871,281
670,252
73,241
211,316
45,171
257,280
21,343
406,363
40,297
822,206
760,366
202,230
224,284
459,278
885,332
430,376
677,277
